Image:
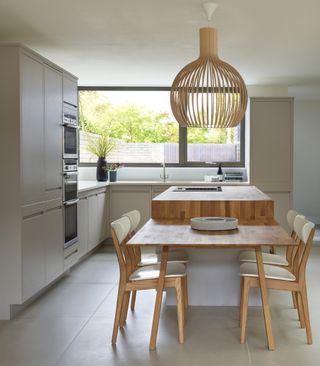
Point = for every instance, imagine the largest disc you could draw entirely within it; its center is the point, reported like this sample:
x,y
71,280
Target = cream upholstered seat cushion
x,y
152,272
271,272
275,259
174,256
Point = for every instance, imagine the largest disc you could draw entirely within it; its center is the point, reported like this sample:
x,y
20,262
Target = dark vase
x,y
102,171
113,175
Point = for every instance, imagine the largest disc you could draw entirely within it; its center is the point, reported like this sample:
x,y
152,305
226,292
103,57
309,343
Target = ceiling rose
x,y
208,92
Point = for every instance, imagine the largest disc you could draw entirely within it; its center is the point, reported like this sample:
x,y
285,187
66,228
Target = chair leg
x,y
241,300
294,299
133,299
300,310
180,309
185,297
117,316
124,310
305,306
186,294
244,310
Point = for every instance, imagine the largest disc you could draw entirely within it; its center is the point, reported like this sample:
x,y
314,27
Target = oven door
x,y
70,142
70,223
70,186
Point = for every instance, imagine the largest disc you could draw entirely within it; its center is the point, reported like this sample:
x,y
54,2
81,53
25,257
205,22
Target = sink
x,y
198,189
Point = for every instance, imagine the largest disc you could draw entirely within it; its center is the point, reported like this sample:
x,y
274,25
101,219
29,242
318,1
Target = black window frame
x,y
183,147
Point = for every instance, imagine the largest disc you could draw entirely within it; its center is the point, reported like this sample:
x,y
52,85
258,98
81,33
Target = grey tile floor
x,y
71,325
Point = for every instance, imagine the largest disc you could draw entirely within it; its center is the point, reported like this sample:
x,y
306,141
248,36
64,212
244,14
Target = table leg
x,y
264,298
157,306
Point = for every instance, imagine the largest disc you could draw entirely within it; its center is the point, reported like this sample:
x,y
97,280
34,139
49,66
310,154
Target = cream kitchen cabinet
x,y
54,240
42,246
53,132
103,224
31,102
70,89
92,219
33,254
83,225
127,198
32,130
271,146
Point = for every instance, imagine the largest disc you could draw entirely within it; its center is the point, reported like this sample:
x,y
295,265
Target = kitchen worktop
x,y
228,193
86,185
247,203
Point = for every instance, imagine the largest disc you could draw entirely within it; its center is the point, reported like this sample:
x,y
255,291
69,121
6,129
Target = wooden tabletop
x,y
177,233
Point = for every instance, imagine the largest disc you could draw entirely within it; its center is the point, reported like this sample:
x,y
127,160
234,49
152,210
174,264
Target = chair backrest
x,y
134,217
305,231
291,251
291,215
120,230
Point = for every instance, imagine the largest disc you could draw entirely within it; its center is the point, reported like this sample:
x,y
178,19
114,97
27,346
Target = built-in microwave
x,y
70,132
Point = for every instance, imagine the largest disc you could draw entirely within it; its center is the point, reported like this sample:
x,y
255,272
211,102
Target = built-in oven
x,y
70,223
70,186
70,132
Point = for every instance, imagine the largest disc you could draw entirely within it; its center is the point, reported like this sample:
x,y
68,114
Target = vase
x,y
113,175
102,171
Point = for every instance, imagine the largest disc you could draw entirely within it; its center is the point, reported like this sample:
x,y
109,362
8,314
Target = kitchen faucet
x,y
164,176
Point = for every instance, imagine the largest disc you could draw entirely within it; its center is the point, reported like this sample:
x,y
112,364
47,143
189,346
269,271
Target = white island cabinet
x,y
31,104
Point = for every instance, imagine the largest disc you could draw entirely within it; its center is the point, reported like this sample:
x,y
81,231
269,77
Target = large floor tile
x,y
210,339
37,342
68,300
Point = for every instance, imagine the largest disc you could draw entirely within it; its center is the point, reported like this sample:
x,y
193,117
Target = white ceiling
x,y
146,42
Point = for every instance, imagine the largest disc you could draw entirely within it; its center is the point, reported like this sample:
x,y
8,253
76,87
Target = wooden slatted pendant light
x,y
208,92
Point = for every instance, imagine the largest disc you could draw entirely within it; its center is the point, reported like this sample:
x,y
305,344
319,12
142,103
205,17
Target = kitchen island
x,y
213,275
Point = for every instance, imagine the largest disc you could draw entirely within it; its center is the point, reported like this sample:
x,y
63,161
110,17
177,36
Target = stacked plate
x,y
214,223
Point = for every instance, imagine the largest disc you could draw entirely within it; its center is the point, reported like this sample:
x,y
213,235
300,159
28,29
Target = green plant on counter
x,y
102,146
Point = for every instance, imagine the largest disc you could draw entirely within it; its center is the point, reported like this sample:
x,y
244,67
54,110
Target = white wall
x,y
306,170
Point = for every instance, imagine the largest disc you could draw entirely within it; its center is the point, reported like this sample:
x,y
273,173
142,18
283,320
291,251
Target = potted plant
x,y
101,147
113,168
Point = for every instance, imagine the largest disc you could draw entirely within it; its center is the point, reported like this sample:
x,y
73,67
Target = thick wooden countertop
x,y
228,193
247,203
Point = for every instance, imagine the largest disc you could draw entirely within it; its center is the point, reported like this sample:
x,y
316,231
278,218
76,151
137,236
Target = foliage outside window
x,y
145,132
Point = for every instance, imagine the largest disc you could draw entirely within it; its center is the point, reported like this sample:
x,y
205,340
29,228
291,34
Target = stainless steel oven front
x,y
70,223
70,186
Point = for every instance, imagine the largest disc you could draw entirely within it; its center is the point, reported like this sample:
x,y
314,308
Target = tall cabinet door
x,y
83,219
102,216
33,254
271,130
32,144
53,132
93,228
53,224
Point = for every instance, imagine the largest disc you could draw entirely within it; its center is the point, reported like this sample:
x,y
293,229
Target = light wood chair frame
x,y
298,287
127,265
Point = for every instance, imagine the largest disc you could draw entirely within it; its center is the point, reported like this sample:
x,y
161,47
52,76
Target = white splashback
x,y
153,173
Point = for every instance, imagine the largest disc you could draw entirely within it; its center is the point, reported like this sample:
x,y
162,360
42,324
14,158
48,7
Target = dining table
x,y
176,233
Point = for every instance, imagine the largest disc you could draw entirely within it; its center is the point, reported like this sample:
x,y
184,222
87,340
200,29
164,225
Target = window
x,y
144,131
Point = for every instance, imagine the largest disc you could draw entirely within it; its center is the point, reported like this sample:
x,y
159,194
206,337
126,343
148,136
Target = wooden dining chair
x,y
280,278
174,256
275,259
143,278
279,260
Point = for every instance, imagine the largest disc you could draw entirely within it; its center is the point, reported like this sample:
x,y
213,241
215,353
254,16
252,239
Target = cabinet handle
x,y
70,254
39,213
72,202
54,208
